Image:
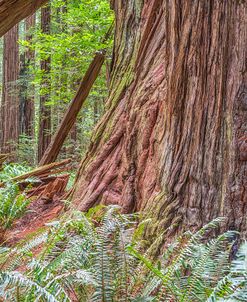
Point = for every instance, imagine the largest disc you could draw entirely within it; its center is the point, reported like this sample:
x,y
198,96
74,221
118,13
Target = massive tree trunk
x,y
173,141
10,95
45,110
27,94
13,11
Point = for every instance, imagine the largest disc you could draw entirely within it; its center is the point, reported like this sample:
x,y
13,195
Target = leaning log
x,y
44,170
69,119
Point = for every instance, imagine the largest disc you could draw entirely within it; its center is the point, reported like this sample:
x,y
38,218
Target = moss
x,y
162,222
121,80
96,136
152,214
138,7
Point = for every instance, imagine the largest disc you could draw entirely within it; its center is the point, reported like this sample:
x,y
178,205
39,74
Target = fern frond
x,y
9,280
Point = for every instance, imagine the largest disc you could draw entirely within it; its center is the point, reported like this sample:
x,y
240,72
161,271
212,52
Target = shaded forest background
x,y
44,58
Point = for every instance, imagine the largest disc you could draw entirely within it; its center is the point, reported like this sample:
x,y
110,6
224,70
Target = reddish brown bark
x,y
173,140
10,95
45,110
73,110
108,74
71,150
26,98
13,11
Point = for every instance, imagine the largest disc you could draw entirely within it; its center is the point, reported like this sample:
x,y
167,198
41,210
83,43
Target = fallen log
x,y
41,181
54,189
46,191
44,170
47,183
62,170
35,191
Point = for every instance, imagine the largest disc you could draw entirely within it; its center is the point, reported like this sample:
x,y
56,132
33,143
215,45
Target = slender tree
x,y
45,110
26,92
10,96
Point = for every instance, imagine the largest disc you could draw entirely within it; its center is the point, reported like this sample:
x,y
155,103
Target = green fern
x,y
92,258
12,204
195,267
10,171
233,287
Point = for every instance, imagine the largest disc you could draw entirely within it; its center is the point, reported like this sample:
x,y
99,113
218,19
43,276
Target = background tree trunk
x,y
27,100
74,108
73,143
45,110
173,141
10,94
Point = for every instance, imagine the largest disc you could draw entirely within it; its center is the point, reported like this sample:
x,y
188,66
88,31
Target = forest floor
x,y
44,188
37,216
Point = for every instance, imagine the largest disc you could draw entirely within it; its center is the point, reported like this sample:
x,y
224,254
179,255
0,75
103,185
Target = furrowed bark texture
x,y
45,110
173,141
13,11
10,96
27,100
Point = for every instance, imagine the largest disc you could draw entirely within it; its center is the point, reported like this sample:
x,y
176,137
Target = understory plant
x,y
10,171
13,203
94,257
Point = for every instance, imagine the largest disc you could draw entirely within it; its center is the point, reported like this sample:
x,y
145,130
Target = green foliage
x,y
90,262
12,203
233,287
92,258
190,269
77,32
10,171
26,149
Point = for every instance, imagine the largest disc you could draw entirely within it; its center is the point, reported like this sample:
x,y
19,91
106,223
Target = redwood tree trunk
x,y
10,96
45,110
173,141
26,94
